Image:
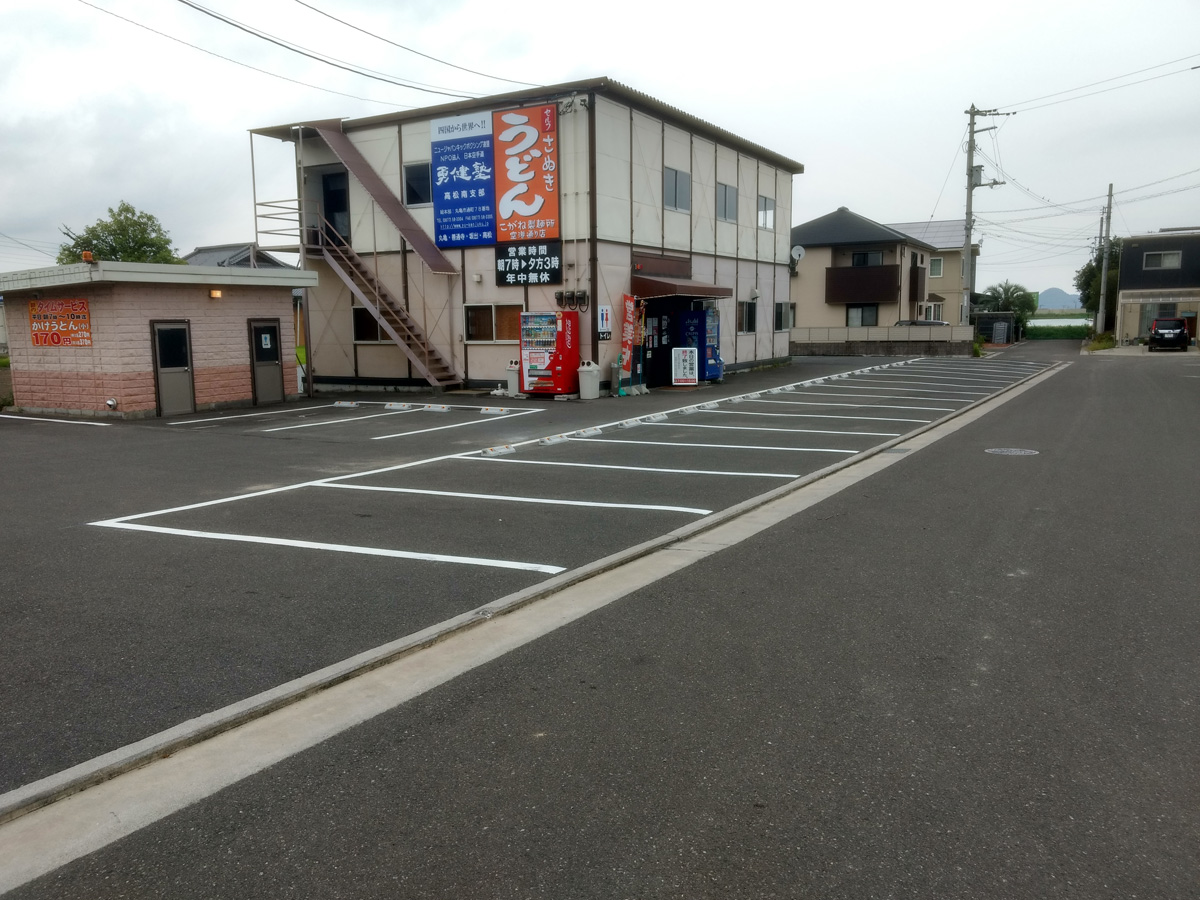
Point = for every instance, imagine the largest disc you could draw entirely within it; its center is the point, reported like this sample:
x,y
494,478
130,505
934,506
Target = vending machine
x,y
701,329
550,352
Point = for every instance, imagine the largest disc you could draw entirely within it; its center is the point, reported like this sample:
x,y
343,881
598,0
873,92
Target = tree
x,y
1087,282
1009,297
126,235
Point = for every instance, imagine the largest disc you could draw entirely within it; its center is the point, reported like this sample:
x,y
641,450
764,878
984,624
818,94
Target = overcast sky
x,y
870,96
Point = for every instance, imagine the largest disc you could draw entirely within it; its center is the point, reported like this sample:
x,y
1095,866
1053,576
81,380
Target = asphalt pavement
x,y
972,674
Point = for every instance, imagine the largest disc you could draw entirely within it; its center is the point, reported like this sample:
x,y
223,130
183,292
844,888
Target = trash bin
x,y
514,377
589,380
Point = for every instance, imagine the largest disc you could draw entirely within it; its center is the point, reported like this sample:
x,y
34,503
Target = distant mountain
x,y
1056,298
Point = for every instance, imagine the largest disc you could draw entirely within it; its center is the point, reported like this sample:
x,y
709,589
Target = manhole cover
x,y
1011,451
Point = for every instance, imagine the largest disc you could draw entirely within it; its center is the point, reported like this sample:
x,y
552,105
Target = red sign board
x,y
60,323
627,329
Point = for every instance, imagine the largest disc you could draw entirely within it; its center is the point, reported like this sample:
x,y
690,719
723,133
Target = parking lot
x,y
619,482
178,566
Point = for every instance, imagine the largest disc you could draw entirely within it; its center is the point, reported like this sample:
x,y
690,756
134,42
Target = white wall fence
x,y
895,333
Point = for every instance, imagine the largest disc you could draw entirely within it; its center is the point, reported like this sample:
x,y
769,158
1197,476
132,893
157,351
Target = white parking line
x,y
886,397
889,381
590,504
546,462
55,421
877,387
341,421
483,421
962,380
713,446
790,415
253,415
785,430
342,548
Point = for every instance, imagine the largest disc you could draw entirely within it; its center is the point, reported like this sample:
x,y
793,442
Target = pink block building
x,y
132,340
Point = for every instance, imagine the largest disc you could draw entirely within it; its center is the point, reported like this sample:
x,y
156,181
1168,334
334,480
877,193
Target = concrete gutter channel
x,y
45,791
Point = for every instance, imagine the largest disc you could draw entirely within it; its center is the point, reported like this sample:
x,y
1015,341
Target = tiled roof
x,y
944,234
843,227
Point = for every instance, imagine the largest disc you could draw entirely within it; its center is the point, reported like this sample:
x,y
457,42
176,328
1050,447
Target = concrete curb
x,y
37,794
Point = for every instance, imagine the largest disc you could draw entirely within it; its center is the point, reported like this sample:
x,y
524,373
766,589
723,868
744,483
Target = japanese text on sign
x,y
627,319
529,263
526,169
464,189
685,365
60,323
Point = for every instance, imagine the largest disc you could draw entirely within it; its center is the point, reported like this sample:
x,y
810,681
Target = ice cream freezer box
x,y
550,352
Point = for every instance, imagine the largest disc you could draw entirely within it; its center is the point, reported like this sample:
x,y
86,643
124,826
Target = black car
x,y
1169,333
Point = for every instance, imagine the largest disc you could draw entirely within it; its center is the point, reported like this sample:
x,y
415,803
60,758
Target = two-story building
x,y
1160,278
433,230
856,281
945,270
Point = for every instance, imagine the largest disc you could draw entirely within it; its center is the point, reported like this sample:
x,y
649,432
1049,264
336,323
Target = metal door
x,y
266,362
173,368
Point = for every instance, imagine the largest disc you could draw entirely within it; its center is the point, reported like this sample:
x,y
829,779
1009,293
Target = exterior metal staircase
x,y
392,317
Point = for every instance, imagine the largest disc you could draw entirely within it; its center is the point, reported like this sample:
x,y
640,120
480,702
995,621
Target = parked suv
x,y
1169,333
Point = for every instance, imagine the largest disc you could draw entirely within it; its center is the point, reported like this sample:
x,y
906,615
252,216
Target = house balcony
x,y
862,284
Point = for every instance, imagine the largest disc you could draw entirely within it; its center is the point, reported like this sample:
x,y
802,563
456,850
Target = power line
x,y
949,172
327,60
410,49
1106,90
25,245
1102,196
1105,81
234,61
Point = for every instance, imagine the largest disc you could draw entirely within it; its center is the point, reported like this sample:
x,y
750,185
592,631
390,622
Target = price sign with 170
x,y
60,323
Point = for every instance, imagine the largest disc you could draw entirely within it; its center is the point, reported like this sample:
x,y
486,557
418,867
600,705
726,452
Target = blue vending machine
x,y
701,328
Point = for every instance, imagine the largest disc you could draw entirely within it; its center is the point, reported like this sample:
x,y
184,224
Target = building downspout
x,y
593,225
308,335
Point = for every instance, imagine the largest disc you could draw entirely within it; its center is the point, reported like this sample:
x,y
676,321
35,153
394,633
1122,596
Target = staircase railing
x,y
392,318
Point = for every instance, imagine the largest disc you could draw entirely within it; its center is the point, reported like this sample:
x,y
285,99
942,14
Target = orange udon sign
x,y
526,168
60,323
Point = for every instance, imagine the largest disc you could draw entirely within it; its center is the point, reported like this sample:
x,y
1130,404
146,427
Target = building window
x,y
747,316
766,212
366,327
935,267
864,258
933,312
785,316
677,190
492,322
418,184
1167,259
726,202
858,316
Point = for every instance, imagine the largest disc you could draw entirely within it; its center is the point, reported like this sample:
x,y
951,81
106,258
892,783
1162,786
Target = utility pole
x,y
1104,268
974,180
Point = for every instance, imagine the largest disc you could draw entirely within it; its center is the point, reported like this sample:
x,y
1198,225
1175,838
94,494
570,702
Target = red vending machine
x,y
550,352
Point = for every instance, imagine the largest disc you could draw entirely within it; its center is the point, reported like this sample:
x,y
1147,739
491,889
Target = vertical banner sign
x,y
464,188
60,323
526,164
627,326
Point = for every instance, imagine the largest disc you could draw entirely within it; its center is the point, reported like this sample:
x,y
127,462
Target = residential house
x,y
855,279
1160,278
945,273
244,255
433,230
